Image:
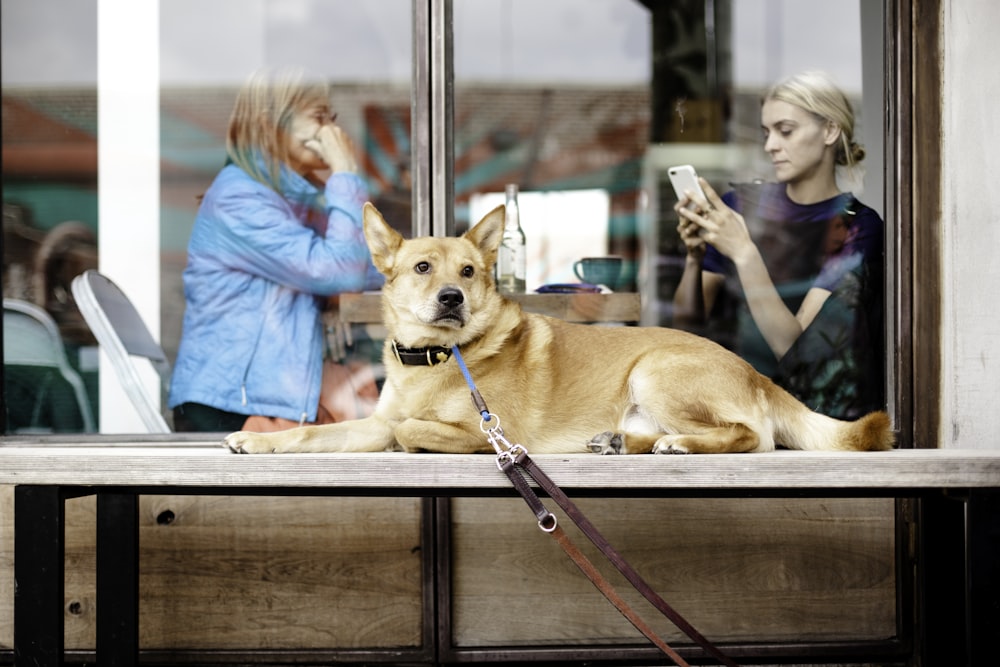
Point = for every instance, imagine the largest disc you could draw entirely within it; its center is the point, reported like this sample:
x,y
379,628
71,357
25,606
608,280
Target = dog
x,y
555,387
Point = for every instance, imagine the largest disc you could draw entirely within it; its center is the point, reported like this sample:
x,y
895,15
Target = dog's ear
x,y
488,233
383,240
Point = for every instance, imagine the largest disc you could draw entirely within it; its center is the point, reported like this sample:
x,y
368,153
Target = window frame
x,y
911,129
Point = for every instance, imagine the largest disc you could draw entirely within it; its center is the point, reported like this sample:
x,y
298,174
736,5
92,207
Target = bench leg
x,y
959,581
117,579
39,541
983,574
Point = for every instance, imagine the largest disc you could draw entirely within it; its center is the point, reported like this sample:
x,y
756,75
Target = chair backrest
x,y
31,338
122,334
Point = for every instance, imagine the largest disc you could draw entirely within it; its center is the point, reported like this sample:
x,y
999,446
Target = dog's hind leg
x,y
637,433
717,440
607,443
725,439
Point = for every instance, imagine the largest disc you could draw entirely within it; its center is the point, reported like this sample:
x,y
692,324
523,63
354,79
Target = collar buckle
x,y
421,356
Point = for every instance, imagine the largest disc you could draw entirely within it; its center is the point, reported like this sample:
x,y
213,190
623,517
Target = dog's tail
x,y
798,427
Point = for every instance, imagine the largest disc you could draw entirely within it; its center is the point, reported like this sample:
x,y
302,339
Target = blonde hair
x,y
816,93
262,115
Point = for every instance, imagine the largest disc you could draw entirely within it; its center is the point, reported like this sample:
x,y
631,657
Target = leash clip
x,y
506,452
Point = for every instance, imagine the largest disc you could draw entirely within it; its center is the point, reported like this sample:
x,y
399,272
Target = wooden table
x,y
118,472
584,307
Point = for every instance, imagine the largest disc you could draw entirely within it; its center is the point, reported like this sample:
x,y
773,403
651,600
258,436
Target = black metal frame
x,y
951,623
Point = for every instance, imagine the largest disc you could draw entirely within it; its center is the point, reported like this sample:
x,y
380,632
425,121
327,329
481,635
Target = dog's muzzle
x,y
451,305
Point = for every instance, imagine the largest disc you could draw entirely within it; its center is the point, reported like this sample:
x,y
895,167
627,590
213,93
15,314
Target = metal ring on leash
x,y
489,417
549,523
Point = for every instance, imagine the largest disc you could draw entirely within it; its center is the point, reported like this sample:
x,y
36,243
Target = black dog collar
x,y
421,356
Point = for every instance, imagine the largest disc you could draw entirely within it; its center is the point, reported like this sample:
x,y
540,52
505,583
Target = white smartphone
x,y
684,177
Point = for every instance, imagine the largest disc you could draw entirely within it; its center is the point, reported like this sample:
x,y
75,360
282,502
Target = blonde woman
x,y
277,232
798,263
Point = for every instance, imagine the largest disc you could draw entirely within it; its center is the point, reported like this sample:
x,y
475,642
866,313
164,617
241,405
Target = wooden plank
x,y
758,569
248,573
612,307
231,572
6,567
211,465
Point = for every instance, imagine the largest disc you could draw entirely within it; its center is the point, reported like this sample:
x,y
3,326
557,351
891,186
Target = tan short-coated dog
x,y
556,387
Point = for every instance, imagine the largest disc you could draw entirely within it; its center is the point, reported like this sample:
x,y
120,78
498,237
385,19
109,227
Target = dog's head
x,y
438,291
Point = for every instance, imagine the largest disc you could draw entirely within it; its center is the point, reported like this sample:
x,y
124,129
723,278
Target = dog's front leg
x,y
370,434
416,435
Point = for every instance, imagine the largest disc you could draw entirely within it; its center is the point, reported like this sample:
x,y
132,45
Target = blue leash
x,y
477,398
505,450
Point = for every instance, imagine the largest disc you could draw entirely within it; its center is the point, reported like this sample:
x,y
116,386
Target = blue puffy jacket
x,y
258,263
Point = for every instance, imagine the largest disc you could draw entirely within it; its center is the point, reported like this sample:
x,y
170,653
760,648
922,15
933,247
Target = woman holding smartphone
x,y
798,262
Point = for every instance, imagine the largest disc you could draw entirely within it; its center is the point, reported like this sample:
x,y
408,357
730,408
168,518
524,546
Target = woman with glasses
x,y
277,233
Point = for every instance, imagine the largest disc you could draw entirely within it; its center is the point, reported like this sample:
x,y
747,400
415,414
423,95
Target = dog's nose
x,y
450,297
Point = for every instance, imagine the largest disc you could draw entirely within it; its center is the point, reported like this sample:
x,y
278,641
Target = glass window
x,y
587,120
167,86
361,50
564,114
50,222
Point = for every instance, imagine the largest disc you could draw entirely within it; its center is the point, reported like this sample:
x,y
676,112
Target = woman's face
x,y
800,144
304,126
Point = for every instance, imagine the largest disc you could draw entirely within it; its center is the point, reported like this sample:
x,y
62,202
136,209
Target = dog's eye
x,y
468,271
422,267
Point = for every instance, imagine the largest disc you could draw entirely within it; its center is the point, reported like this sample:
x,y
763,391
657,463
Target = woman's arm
x,y
247,226
689,299
726,230
696,292
346,195
779,326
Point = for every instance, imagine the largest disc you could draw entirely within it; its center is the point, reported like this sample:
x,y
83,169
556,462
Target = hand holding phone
x,y
684,178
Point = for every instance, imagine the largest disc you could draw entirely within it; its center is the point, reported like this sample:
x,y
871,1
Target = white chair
x,y
31,338
123,335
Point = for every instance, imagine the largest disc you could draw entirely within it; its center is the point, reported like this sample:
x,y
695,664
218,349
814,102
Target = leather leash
x,y
511,460
548,523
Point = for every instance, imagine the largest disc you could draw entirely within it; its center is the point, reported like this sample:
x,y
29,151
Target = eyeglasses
x,y
324,116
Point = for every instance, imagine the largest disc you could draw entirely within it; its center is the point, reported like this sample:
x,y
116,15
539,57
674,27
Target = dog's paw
x,y
606,443
245,442
668,445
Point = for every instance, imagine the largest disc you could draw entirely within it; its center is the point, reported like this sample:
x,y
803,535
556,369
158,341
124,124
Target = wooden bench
x,y
117,472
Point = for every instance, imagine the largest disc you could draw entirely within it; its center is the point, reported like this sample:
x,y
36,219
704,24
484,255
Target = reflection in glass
x,y
790,274
362,51
562,113
607,107
585,118
49,198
